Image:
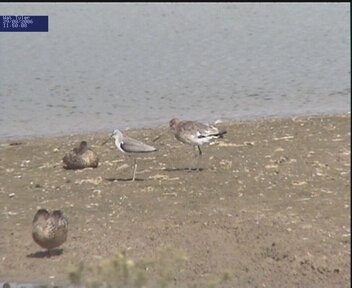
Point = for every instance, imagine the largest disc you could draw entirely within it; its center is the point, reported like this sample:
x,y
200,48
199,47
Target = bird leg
x,y
134,169
191,167
199,158
200,151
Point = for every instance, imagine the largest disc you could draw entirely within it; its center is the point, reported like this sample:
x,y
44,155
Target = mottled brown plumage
x,y
49,230
81,157
194,133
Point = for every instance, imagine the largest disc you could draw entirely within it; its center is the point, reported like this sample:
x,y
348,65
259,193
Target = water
x,y
107,66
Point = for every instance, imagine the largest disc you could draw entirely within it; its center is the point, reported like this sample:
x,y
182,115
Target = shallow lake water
x,y
107,66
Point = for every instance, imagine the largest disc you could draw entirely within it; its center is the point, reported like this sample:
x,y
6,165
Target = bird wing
x,y
130,145
73,161
199,129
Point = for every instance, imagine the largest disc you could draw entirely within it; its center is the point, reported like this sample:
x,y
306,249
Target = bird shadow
x,y
44,254
69,168
112,179
184,169
65,167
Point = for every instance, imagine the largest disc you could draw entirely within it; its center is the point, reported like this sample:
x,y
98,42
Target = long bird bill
x,y
158,137
106,141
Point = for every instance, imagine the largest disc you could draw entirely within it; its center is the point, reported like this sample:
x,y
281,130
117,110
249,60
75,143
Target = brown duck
x,y
81,157
49,229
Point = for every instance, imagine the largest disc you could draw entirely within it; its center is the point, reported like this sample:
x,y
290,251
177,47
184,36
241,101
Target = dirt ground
x,y
270,209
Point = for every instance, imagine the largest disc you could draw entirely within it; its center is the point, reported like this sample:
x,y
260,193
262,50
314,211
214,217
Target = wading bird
x,y
130,147
194,133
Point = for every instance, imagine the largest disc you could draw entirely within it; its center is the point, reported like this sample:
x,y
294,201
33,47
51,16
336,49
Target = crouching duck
x,y
49,230
81,157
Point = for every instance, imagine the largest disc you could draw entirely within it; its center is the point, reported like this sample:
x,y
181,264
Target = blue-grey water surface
x,y
106,66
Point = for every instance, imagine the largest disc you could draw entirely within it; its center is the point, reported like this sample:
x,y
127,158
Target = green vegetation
x,y
120,271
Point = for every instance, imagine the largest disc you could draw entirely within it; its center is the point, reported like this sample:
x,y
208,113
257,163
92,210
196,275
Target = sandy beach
x,y
271,207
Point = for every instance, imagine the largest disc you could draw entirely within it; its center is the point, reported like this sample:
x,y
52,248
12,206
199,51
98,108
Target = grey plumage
x,y
130,147
194,133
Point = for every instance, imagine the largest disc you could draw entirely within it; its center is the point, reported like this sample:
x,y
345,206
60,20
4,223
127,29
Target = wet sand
x,y
270,209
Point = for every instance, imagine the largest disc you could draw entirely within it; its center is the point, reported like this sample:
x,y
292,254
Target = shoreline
x,y
273,199
8,139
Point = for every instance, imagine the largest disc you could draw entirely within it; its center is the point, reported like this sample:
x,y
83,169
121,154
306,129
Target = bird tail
x,y
217,135
222,133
